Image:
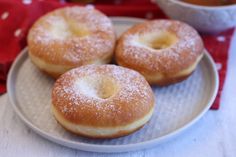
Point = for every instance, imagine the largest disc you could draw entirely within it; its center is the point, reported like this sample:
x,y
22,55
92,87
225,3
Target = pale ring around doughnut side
x,y
70,37
56,70
102,101
163,51
101,132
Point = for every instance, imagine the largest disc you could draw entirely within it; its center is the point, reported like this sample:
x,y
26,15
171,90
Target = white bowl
x,y
203,18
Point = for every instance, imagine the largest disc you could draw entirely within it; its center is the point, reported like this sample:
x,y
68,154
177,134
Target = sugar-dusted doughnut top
x,y
72,36
102,96
159,46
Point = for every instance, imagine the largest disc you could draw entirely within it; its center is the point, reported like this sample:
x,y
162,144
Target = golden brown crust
x,y
132,99
72,36
166,62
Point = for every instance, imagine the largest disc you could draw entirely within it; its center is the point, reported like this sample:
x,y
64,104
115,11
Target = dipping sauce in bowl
x,y
211,2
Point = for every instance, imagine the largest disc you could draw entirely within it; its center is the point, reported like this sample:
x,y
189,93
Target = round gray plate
x,y
177,106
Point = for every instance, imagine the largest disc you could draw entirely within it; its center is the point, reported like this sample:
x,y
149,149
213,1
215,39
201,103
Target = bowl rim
x,y
203,7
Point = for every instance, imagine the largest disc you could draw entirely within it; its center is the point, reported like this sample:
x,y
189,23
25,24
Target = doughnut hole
x,y
102,87
76,29
159,40
65,28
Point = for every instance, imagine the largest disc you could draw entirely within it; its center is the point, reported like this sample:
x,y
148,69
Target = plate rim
x,y
107,148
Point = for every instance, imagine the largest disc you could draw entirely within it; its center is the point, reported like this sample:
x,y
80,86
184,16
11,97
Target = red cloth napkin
x,y
17,16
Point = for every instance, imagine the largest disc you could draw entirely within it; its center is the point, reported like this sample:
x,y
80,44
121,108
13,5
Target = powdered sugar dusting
x,y
85,88
174,58
72,35
132,90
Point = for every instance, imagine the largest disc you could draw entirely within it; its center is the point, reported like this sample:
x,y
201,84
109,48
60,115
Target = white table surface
x,y
212,136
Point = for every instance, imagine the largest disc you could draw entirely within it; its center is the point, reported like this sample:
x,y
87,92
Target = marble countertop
x,y
213,135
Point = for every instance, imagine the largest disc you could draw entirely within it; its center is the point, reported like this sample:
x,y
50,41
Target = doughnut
x,y
102,101
70,37
163,51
